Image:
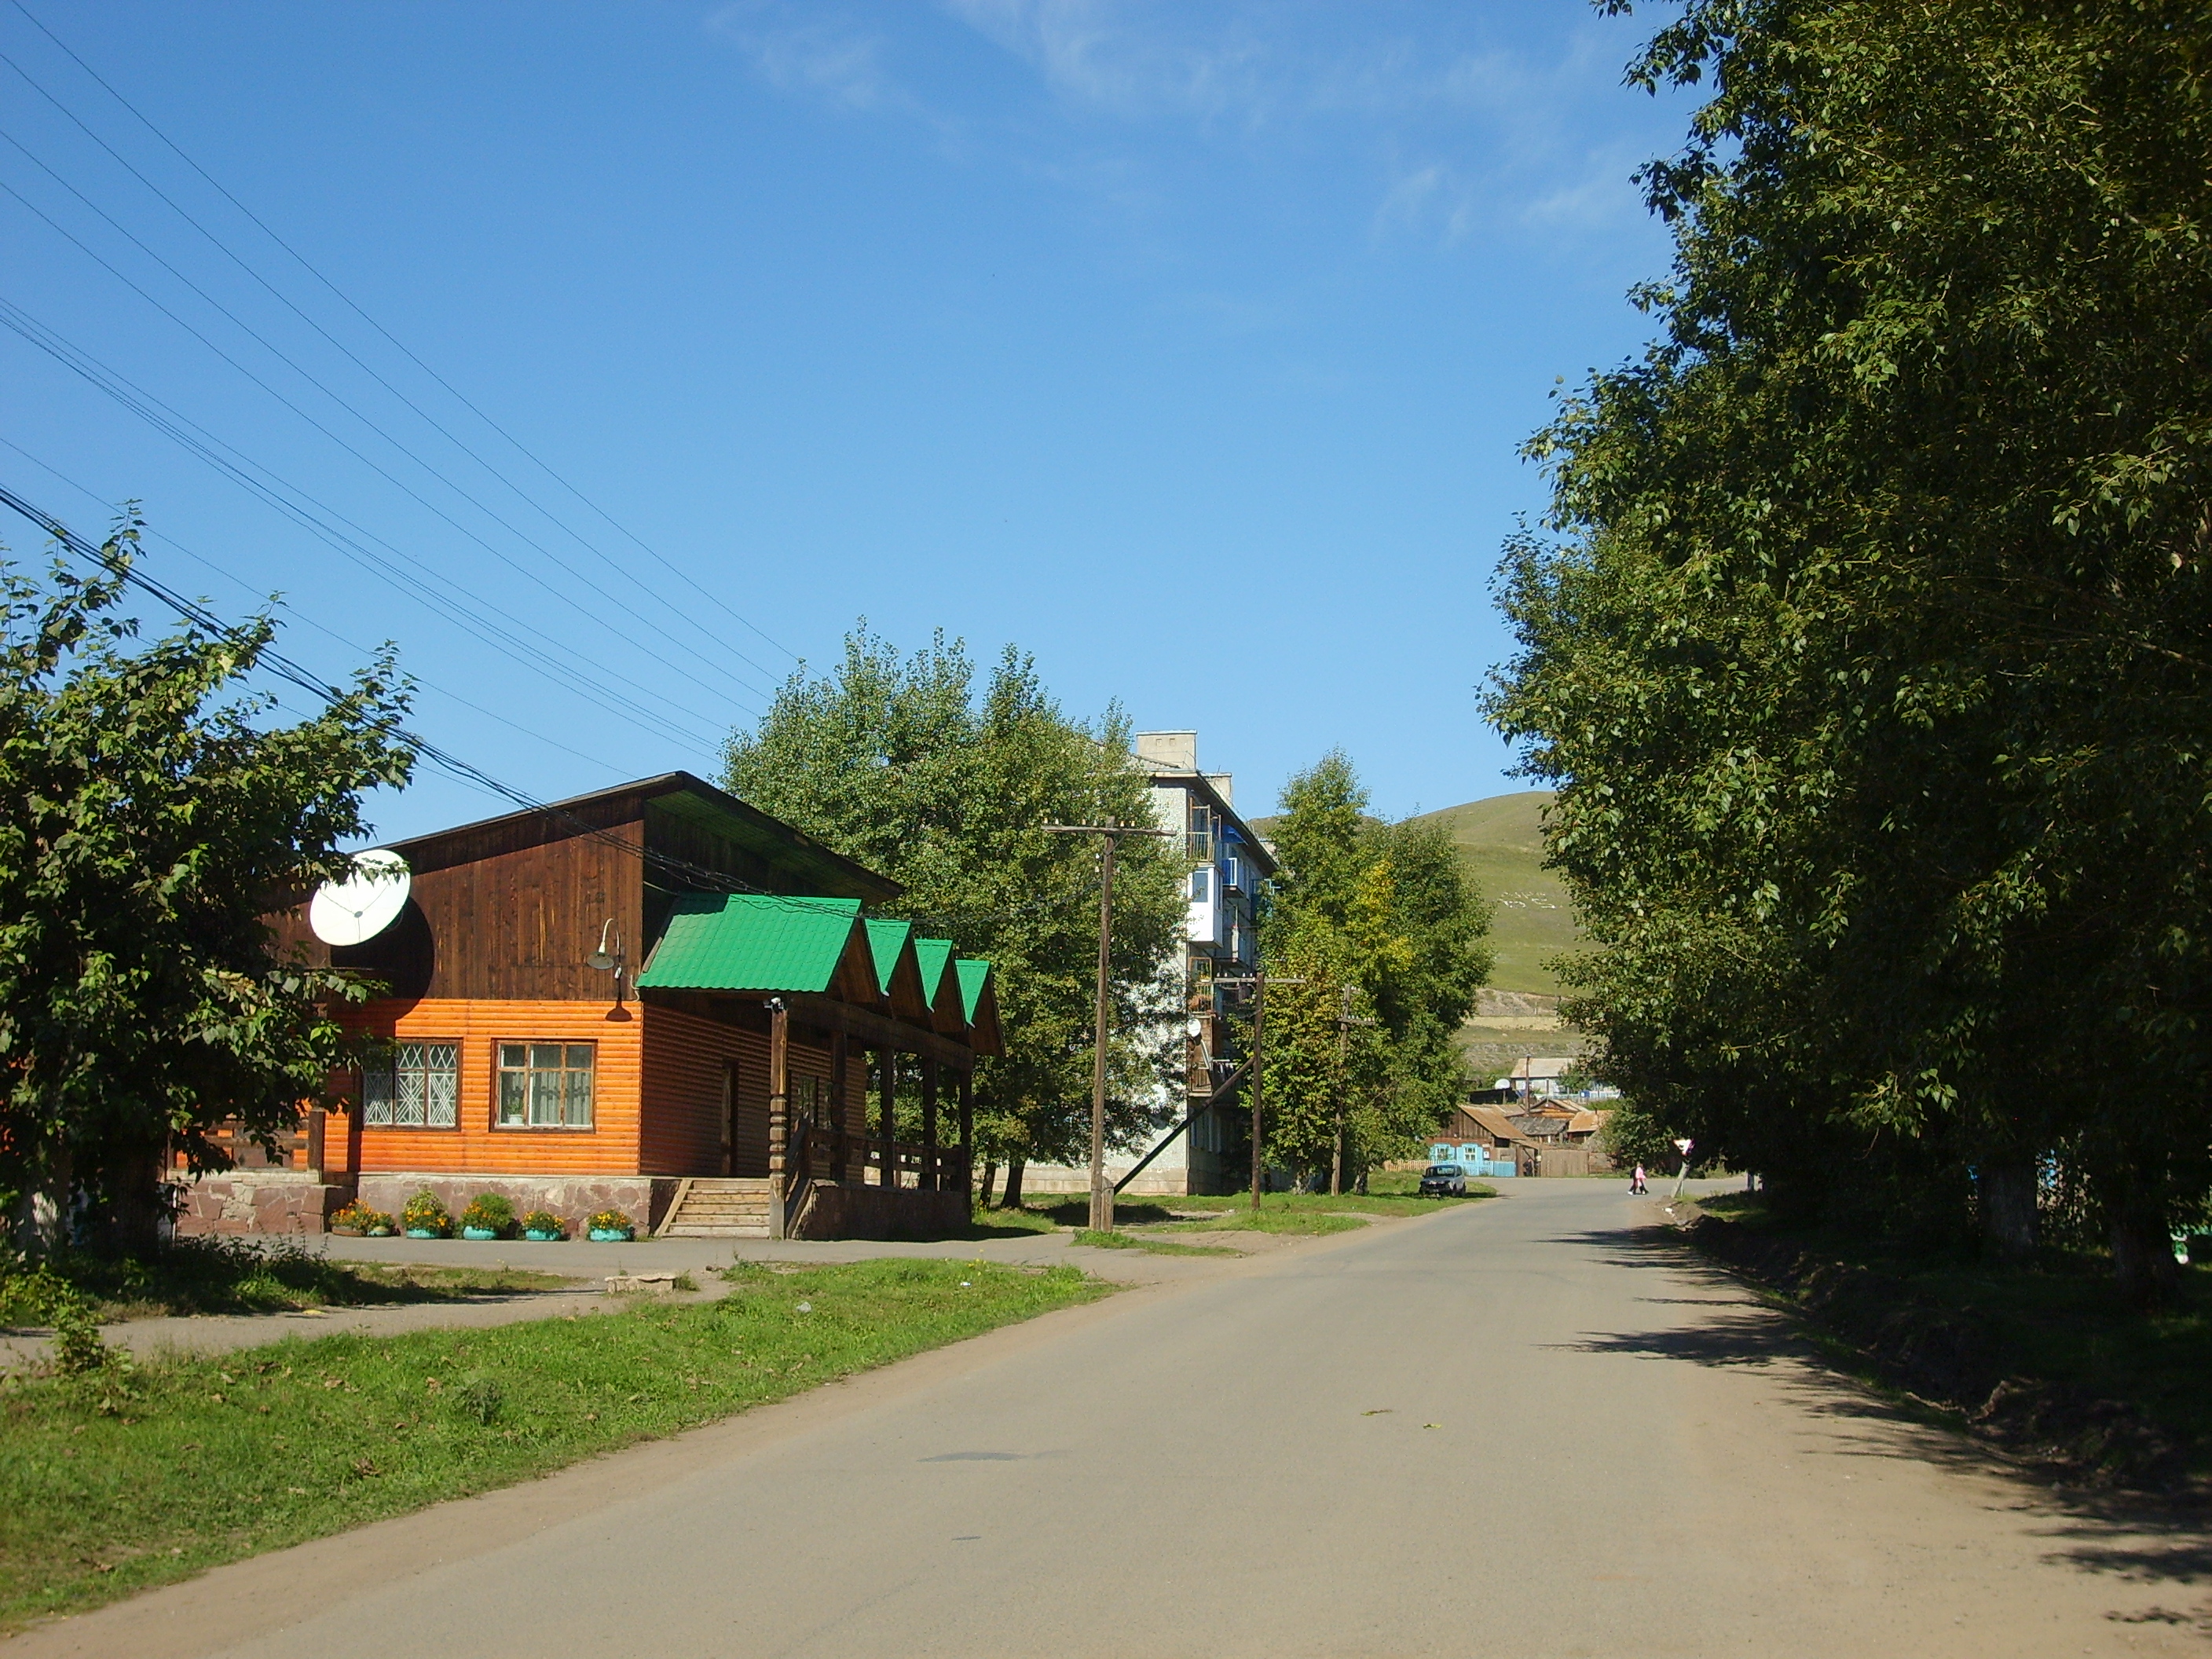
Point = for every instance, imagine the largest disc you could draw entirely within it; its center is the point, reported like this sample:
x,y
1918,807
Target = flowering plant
x,y
426,1212
358,1214
611,1221
488,1212
543,1221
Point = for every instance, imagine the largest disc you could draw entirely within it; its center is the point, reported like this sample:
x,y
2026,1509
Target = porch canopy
x,y
834,970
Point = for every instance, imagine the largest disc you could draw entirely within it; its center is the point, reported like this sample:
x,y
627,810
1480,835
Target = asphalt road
x,y
1528,1427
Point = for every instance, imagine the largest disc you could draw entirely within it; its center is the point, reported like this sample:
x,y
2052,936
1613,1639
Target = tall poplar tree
x,y
906,765
1872,655
1377,938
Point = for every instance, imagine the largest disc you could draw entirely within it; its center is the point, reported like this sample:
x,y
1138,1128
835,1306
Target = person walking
x,y
1635,1181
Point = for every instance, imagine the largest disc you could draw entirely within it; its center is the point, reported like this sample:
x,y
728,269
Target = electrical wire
x,y
277,493
299,259
713,664
516,565
171,542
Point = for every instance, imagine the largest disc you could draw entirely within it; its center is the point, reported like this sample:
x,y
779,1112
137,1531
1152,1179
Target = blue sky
x,y
1187,346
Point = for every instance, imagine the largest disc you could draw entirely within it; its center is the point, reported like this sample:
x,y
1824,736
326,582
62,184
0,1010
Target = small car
x,y
1444,1181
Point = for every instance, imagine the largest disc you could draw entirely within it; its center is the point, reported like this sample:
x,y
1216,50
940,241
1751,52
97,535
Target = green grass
x,y
1501,845
115,1482
1120,1241
1270,1221
229,1275
2060,1321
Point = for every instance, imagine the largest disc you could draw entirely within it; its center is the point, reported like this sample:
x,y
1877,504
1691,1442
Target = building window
x,y
545,1085
415,1085
1201,884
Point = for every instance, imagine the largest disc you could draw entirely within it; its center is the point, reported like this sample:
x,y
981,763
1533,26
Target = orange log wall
x,y
613,1146
656,1096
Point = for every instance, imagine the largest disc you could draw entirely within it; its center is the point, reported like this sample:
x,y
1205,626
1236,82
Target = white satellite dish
x,y
364,904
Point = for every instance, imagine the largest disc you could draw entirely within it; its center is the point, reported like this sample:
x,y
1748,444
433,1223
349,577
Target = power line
x,y
714,664
290,671
302,259
276,492
516,565
298,616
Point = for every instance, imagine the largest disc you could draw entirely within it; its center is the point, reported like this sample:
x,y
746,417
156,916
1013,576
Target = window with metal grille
x,y
545,1085
412,1086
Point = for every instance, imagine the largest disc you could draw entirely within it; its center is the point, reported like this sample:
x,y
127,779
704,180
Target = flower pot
x,y
424,1232
347,1232
542,1237
480,1234
379,1232
611,1234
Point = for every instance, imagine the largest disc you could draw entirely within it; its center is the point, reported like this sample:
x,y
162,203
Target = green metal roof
x,y
886,939
750,942
933,954
973,974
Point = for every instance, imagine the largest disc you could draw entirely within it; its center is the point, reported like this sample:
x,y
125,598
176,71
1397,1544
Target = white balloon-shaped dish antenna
x,y
364,904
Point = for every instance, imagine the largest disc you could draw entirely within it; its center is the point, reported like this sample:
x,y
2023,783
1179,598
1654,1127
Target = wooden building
x,y
713,1072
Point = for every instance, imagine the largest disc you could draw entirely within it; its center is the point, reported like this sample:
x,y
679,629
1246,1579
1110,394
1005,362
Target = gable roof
x,y
1498,1127
898,971
948,1008
753,942
979,1003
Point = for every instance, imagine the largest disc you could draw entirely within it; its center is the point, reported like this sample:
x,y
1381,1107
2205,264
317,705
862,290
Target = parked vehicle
x,y
1444,1181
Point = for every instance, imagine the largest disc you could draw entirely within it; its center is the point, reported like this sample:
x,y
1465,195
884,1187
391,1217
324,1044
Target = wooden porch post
x,y
779,1111
838,1121
929,1126
965,1089
888,1084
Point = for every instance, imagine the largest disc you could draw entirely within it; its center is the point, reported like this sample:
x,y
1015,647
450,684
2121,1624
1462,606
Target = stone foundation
x,y
256,1202
838,1212
644,1199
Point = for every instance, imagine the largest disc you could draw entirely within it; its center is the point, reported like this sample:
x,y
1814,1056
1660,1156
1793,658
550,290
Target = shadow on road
x,y
2136,1538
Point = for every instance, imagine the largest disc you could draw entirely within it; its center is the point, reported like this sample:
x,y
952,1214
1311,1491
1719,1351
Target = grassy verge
x,y
1345,1204
116,1481
1120,1241
2059,1321
1270,1221
230,1275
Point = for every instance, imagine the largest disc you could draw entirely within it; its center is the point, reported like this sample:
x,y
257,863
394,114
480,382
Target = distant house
x,y
1538,1077
655,998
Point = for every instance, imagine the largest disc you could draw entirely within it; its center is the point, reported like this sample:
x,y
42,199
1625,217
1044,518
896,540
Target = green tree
x,y
1872,659
145,829
902,763
1377,938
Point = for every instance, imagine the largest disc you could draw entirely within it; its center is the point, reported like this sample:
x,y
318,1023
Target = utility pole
x,y
1101,1191
1345,1021
1258,982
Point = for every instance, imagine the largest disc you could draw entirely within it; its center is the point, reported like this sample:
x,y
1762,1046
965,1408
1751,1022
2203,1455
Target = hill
x,y
1501,841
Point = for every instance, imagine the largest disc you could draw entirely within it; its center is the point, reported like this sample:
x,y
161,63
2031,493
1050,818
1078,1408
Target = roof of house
x,y
750,942
790,855
886,940
975,976
1540,1067
932,955
1496,1125
1586,1123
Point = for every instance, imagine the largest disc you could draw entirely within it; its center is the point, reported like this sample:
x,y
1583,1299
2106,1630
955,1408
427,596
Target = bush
x,y
489,1213
78,1348
358,1214
543,1221
427,1212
